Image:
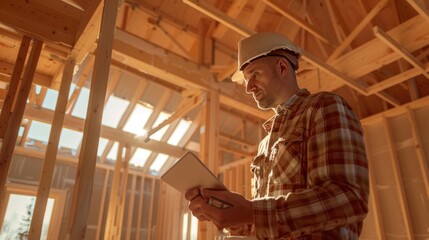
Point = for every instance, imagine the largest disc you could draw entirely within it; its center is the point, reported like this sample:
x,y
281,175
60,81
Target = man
x,y
311,171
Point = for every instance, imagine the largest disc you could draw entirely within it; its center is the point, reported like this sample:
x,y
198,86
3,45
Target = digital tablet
x,y
189,172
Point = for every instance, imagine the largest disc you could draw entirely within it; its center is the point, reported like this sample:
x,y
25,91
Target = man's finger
x,y
192,193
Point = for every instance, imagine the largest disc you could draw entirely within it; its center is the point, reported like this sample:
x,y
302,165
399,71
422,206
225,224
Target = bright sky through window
x,y
179,132
38,89
102,144
14,221
50,99
51,96
158,162
113,111
140,157
113,153
79,109
70,138
39,131
138,119
158,134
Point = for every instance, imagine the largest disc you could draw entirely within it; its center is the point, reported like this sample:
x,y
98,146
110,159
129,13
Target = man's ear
x,y
283,67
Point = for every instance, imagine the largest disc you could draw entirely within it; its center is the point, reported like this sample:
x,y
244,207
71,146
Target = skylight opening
x,y
39,131
140,157
113,111
79,109
113,153
102,144
38,89
50,100
160,133
179,132
159,162
70,139
138,119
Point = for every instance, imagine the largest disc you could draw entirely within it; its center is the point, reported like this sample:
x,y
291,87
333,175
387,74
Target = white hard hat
x,y
258,45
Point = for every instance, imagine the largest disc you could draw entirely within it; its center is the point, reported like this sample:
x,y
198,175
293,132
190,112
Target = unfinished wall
x,y
398,148
140,208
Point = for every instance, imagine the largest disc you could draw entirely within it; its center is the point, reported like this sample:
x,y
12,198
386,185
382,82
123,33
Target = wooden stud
x,y
399,180
113,200
152,200
131,208
374,196
102,204
140,207
14,121
418,143
13,86
51,153
87,159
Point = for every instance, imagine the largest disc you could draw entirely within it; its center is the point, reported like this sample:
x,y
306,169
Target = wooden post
x,y
14,121
402,198
51,152
374,195
113,200
102,204
140,207
13,86
209,149
88,155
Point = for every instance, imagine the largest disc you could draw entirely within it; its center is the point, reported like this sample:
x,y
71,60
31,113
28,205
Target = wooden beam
x,y
190,101
388,40
47,23
371,56
395,80
348,40
170,37
117,135
299,21
39,78
51,153
14,122
233,11
87,34
420,8
146,57
87,159
219,16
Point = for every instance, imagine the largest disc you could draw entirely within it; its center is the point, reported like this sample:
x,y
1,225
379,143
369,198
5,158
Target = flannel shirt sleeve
x,y
337,175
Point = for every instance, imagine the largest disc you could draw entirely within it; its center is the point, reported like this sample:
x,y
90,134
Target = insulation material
x,y
399,201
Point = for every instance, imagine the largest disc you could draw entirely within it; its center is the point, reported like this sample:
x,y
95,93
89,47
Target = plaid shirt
x,y
311,172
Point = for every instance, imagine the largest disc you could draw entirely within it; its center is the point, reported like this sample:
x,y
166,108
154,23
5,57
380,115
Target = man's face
x,y
264,82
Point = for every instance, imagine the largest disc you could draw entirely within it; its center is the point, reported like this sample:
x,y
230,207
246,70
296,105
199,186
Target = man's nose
x,y
249,86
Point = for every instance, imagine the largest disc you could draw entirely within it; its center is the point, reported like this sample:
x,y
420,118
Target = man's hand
x,y
239,213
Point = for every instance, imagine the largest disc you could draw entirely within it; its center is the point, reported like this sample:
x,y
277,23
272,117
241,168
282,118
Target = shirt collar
x,y
291,104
